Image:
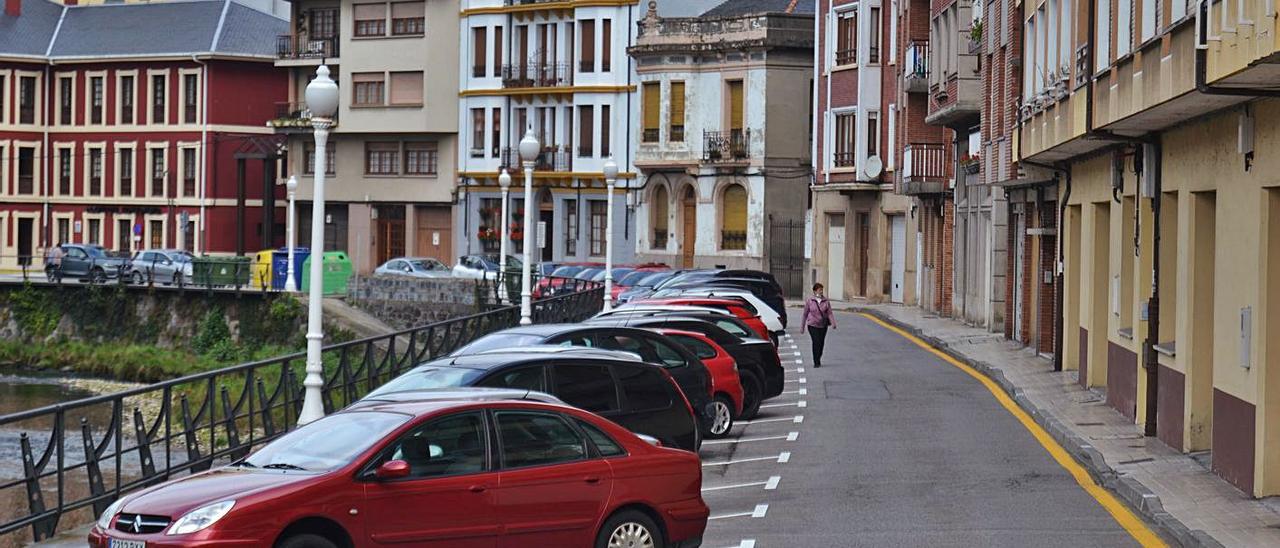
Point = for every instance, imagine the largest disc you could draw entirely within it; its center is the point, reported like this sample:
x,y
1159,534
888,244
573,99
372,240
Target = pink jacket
x,y
817,313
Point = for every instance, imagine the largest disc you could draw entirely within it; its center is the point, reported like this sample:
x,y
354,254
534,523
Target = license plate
x,y
117,543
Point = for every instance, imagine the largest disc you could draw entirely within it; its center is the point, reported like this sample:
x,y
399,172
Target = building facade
x,y
133,144
560,70
863,232
1163,141
391,158
723,141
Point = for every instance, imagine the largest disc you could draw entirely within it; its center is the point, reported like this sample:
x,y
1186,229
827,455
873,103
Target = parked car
x,y
550,285
643,287
766,291
726,386
89,262
483,267
737,307
470,393
772,320
684,366
759,367
418,267
167,266
438,473
620,387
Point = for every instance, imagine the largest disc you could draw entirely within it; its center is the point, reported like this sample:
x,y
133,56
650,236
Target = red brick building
x,y
116,121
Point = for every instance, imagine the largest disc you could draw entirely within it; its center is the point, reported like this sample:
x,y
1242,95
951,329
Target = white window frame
x,y
88,98
6,100
55,189
5,162
150,175
58,77
115,168
830,138
168,97
68,216
37,168
118,100
182,96
85,175
102,227
893,32
833,34
145,244
197,230
178,181
865,119
892,147
39,118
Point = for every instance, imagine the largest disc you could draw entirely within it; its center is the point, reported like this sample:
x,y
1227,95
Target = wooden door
x,y
689,236
390,228
864,245
434,233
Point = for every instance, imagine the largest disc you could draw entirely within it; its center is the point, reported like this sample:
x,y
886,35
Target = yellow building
x,y
1165,144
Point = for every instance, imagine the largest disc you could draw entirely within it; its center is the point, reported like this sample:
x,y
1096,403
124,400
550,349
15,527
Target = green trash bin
x,y
221,271
336,271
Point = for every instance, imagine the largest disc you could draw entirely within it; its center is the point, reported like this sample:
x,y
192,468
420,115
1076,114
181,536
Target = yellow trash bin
x,y
260,270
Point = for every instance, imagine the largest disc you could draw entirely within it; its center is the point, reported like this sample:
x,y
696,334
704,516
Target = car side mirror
x,y
392,469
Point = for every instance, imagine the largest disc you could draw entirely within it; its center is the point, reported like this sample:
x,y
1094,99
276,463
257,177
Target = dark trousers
x,y
819,337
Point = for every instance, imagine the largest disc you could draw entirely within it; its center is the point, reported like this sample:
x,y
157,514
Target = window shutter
x,y
734,215
406,88
406,10
370,11
735,104
652,102
677,103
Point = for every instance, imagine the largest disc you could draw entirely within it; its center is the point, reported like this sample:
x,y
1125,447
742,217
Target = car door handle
x,y
478,488
592,479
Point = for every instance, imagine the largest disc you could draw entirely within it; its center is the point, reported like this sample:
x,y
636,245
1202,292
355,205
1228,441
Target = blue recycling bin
x,y
280,266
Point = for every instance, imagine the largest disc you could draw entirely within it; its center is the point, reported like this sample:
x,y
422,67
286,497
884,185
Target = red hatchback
x,y
431,474
740,309
726,385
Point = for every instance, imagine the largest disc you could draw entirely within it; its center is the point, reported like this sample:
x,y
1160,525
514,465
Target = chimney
x,y
13,8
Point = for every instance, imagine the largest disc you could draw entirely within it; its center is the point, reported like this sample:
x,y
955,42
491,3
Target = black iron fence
x,y
80,456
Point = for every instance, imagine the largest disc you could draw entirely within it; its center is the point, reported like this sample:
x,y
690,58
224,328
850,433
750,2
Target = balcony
x,y
552,158
845,159
293,117
537,75
916,69
289,46
530,2
724,146
924,169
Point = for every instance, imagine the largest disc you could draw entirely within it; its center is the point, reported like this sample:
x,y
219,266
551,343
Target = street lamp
x,y
529,148
322,101
289,284
504,182
610,177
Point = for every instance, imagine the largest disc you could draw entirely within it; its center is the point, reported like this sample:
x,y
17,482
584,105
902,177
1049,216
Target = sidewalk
x,y
1173,491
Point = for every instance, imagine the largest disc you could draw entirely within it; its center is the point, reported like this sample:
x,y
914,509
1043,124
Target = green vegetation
x,y
120,361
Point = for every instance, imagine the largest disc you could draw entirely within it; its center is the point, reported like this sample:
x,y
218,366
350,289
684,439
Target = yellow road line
x,y
1121,513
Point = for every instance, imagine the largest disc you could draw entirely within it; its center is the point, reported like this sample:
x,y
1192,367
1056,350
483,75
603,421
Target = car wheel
x,y
137,278
752,391
630,529
306,541
722,418
98,276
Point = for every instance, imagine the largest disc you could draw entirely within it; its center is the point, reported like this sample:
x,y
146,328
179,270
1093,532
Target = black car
x,y
759,367
767,291
642,397
682,364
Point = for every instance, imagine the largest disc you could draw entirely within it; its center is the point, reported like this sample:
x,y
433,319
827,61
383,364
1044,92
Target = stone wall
x,y
403,302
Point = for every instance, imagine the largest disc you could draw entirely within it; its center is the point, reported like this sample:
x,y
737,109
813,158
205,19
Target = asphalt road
x,y
895,448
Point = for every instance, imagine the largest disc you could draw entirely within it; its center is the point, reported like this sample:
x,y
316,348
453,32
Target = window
x,y
155,229
406,88
96,100
536,439
64,171
371,20
4,96
370,88
324,24
1103,34
846,49
330,159
449,446
159,114
497,50
652,96
477,133
26,170
126,99
586,128
598,212
844,139
189,172
64,230
676,115
381,158
65,89
27,100
736,105
496,138
408,18
95,230
661,213
873,48
157,172
604,131
1124,28
645,388
588,387
126,171
189,94
124,238
571,227
480,55
526,378
873,133
699,348
588,57
95,172
604,444
420,158
606,48
733,218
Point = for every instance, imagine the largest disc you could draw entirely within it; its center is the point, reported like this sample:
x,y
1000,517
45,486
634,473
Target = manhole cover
x,y
875,390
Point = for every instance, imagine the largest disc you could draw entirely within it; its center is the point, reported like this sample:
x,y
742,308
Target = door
x,y
390,233
689,232
434,237
835,257
26,240
919,262
546,219
1019,254
864,251
898,257
449,497
551,492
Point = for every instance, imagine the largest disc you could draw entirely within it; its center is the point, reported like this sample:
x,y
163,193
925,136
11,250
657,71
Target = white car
x,y
482,267
417,267
638,308
772,321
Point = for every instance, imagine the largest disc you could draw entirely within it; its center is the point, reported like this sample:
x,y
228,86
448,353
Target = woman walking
x,y
817,318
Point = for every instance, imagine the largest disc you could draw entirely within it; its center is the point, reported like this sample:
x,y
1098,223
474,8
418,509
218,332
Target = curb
x,y
1132,492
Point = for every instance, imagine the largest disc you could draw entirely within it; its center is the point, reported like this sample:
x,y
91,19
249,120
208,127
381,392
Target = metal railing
x,y
924,168
143,436
293,114
536,75
917,60
724,146
554,158
289,46
207,273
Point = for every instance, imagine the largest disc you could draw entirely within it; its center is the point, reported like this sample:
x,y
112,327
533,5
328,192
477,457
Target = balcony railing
x,y
536,75
649,135
293,115
724,146
916,69
924,168
844,159
659,238
289,46
733,241
554,158
527,2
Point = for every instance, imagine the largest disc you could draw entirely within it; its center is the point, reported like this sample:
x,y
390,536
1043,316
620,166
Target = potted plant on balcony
x,y
975,36
487,234
971,163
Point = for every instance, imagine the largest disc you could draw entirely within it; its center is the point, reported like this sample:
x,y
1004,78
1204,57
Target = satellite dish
x,y
874,166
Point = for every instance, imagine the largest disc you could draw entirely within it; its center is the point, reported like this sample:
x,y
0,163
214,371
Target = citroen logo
x,y
137,523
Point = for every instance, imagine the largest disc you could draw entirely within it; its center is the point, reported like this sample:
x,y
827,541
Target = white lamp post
x,y
322,101
529,148
610,177
504,182
292,186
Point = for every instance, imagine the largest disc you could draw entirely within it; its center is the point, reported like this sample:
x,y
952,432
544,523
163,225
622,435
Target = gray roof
x,y
730,8
181,27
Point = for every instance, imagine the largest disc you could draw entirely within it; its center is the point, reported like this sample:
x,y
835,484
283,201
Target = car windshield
x,y
653,280
327,444
428,377
732,327
182,256
587,274
598,276
423,265
95,251
566,271
497,341
633,278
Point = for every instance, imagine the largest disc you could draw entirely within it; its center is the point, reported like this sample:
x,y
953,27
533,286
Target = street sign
x,y
435,238
137,229
77,227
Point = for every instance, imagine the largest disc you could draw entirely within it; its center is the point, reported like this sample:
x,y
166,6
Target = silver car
x,y
418,267
166,266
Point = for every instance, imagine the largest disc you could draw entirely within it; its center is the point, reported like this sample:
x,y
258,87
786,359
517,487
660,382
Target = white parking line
x,y
800,403
800,361
795,353
759,512
795,346
802,391
748,543
792,436
796,370
782,457
796,419
769,485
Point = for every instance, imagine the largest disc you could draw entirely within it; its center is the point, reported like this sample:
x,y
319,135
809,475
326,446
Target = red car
x,y
726,386
736,307
456,473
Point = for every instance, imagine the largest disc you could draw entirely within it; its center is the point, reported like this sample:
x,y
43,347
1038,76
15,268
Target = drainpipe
x,y
1151,363
626,208
204,150
47,167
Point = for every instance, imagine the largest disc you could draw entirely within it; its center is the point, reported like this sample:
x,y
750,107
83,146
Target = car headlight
x,y
104,521
200,518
